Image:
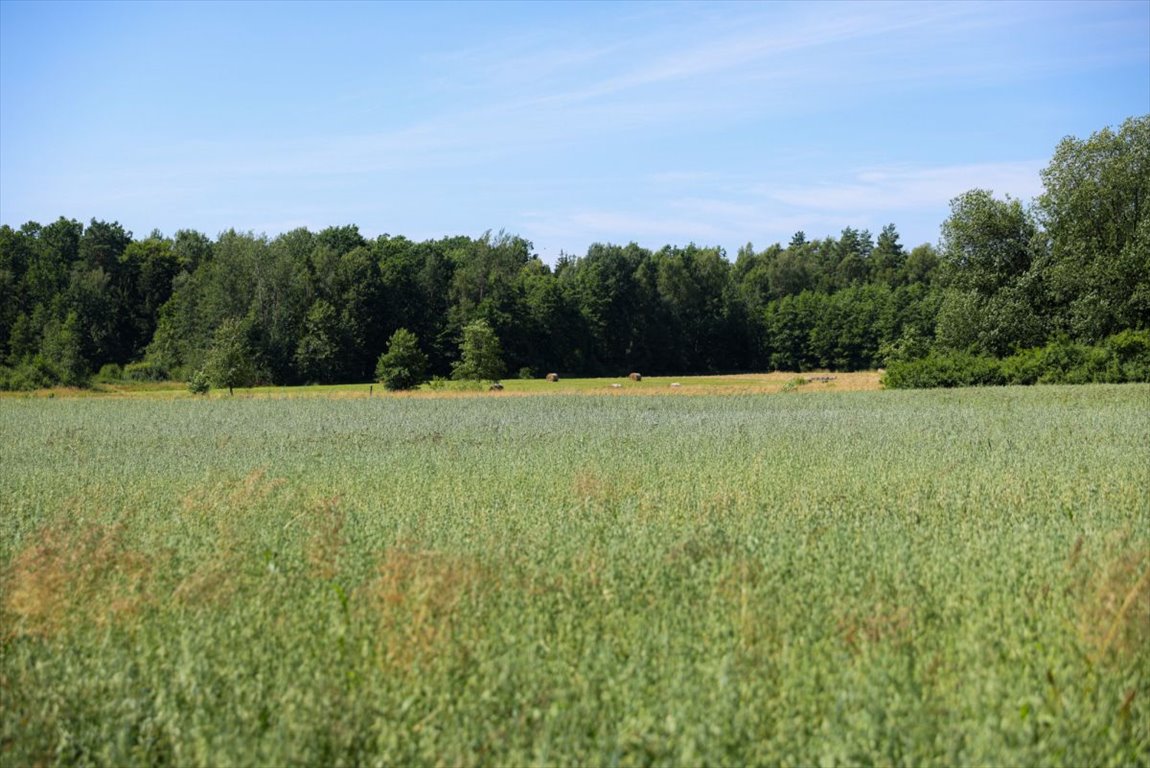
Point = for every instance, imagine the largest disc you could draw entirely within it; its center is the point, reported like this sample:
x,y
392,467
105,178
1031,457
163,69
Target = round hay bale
x,y
633,376
553,377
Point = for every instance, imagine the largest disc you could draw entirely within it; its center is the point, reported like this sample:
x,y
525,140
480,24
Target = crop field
x,y
840,577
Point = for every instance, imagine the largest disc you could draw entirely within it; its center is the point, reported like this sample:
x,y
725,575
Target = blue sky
x,y
565,123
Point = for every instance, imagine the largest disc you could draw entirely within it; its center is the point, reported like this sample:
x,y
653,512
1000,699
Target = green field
x,y
943,577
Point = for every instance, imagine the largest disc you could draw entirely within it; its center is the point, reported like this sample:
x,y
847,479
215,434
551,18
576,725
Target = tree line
x,y
322,306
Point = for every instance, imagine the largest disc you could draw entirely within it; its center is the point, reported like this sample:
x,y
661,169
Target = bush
x,y
110,372
911,345
403,366
1123,357
1026,366
145,370
950,369
1131,350
1062,362
199,383
36,373
442,384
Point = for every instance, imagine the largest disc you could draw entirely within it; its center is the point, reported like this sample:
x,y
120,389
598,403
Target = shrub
x,y
403,366
1023,367
1131,350
1062,362
36,373
443,384
110,372
911,345
145,370
950,369
199,383
792,384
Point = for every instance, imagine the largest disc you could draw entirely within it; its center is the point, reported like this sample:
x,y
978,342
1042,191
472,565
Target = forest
x,y
1069,269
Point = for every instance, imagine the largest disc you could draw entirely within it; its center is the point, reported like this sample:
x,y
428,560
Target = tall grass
x,y
886,577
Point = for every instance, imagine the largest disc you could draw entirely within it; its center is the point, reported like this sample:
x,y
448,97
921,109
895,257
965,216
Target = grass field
x,y
745,383
853,577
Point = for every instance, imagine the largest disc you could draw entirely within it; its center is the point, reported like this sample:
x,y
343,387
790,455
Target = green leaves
x,y
403,366
480,353
230,359
1096,211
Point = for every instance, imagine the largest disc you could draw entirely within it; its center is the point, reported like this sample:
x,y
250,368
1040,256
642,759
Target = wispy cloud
x,y
897,188
679,206
666,122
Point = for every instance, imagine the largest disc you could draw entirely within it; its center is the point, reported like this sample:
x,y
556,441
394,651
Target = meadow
x,y
750,578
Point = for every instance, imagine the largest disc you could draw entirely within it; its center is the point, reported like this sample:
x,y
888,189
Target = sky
x,y
564,123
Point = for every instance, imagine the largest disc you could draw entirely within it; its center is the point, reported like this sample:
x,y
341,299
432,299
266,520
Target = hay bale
x,y
633,376
553,377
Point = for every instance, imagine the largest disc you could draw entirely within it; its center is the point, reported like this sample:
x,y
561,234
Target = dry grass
x,y
746,383
69,577
1114,606
417,600
230,496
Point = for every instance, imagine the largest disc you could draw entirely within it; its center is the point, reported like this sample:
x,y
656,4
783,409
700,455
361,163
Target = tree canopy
x,y
325,306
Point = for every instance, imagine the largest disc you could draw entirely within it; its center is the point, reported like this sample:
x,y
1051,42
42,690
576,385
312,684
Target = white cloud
x,y
901,187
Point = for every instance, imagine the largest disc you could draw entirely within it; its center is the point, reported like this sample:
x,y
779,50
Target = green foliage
x,y
403,366
63,350
199,383
34,373
1097,218
911,345
886,578
317,355
792,384
110,372
1131,350
444,384
480,354
320,307
943,369
987,243
229,362
145,370
1122,358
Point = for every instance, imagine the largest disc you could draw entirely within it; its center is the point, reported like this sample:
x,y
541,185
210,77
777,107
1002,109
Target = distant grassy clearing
x,y
746,383
862,577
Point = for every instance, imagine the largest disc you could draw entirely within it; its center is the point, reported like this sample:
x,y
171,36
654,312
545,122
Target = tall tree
x,y
888,258
995,302
1096,211
480,354
229,362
